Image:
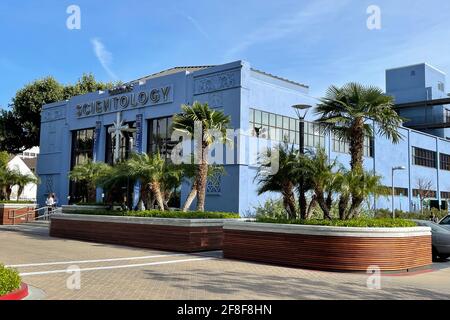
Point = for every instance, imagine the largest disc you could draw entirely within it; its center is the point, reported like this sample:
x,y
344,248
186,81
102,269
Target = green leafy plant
x,y
359,222
9,280
344,111
160,214
212,121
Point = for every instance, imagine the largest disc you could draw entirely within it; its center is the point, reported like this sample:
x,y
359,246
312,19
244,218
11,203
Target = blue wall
x,y
235,88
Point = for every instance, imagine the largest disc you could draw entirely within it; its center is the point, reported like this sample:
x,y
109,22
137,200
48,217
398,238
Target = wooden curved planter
x,y
329,248
19,294
185,235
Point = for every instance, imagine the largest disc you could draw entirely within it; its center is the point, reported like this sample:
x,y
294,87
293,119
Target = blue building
x,y
260,105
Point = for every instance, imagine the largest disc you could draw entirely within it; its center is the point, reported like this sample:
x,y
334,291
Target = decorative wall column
x,y
97,154
138,149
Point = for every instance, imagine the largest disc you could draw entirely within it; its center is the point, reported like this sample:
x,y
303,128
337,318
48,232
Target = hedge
x,y
160,214
16,202
9,280
360,222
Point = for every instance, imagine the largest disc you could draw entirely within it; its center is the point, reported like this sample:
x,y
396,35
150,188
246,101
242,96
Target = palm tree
x,y
150,171
283,180
344,112
190,172
156,175
21,180
321,175
90,173
7,177
359,183
209,122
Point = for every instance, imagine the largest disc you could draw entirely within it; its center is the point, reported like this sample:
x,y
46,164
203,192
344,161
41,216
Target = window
x,y
446,220
272,126
126,144
82,151
441,86
423,157
82,146
444,161
343,146
447,115
159,137
413,73
445,195
397,191
431,193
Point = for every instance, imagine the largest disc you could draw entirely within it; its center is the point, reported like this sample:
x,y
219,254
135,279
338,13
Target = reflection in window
x,y
159,140
342,146
82,151
276,127
126,145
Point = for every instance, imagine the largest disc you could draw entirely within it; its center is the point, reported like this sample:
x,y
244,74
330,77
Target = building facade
x,y
260,107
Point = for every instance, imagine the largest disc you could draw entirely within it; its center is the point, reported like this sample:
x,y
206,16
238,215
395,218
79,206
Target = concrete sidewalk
x,y
115,272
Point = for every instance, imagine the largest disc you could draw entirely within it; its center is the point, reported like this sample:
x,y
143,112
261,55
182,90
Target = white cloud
x,y
104,57
197,26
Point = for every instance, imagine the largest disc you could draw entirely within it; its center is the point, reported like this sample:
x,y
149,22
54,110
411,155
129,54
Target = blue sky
x,y
317,42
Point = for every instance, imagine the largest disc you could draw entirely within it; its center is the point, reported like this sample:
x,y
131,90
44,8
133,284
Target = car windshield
x,y
434,226
446,220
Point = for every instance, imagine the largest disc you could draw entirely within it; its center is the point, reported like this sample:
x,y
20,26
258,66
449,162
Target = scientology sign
x,y
123,98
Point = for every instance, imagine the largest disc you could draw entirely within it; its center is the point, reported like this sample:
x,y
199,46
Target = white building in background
x,y
30,153
26,165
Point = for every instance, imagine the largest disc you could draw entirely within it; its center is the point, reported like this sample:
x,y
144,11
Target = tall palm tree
x,y
283,180
345,112
89,173
209,121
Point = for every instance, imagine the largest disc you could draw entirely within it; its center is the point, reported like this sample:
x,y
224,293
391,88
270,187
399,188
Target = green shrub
x,y
359,222
16,202
9,280
385,213
160,214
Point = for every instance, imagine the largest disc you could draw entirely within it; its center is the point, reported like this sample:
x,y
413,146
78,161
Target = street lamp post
x,y
301,111
393,188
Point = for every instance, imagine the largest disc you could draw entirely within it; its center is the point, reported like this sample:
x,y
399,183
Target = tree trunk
x,y
354,208
289,199
190,198
312,205
322,204
356,163
19,192
156,189
302,203
357,144
202,180
343,204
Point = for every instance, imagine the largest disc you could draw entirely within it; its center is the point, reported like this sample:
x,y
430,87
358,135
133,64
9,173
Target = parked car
x,y
445,222
440,238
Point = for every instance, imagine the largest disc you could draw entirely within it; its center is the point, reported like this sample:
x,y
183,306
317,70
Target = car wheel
x,y
435,254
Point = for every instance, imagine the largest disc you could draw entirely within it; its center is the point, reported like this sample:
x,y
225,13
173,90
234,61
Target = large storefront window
x,y
82,151
126,145
159,137
276,127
